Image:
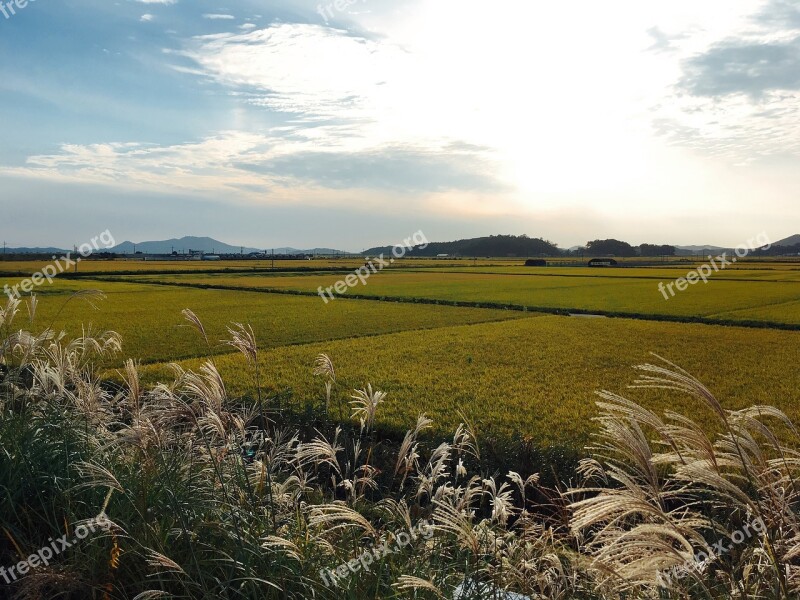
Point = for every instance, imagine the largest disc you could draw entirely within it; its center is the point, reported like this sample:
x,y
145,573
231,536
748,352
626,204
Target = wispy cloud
x,y
304,69
754,68
263,167
663,42
739,97
785,14
343,91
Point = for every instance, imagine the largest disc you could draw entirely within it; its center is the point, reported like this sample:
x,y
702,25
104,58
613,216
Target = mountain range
x,y
181,246
207,245
691,250
33,251
520,246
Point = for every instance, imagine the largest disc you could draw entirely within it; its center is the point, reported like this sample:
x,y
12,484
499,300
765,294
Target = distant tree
x,y
655,250
610,247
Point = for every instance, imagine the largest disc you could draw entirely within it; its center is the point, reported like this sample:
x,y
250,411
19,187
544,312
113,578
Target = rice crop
x,y
609,294
150,321
528,379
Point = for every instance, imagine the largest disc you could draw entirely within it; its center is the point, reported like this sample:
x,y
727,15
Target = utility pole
x,y
273,259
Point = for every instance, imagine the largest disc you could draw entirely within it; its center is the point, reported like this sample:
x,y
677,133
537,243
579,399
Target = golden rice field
x,y
662,272
518,375
532,378
26,268
153,329
718,299
505,265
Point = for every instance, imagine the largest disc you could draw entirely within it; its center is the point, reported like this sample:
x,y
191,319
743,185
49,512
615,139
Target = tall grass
x,y
208,496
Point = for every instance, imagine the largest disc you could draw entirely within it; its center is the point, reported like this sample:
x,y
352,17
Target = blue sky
x,y
300,123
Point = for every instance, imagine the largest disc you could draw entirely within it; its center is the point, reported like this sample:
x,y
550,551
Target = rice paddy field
x,y
149,266
531,378
765,296
513,368
153,330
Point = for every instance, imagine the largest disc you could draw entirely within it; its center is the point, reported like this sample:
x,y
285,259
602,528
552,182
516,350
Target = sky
x,y
356,123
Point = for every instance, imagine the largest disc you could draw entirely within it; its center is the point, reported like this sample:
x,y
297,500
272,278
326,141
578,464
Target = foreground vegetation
x,y
202,495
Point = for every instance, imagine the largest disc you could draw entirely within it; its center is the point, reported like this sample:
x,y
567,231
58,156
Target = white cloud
x,y
725,98
305,69
217,17
146,18
272,168
185,167
507,93
165,2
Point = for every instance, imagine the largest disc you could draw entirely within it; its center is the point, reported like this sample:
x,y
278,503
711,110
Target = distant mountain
x,y
279,251
697,249
35,251
182,245
207,245
326,251
330,251
790,241
494,245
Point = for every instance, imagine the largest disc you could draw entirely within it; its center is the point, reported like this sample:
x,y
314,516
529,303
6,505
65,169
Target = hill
x,y
207,245
34,251
182,245
699,250
793,240
495,245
